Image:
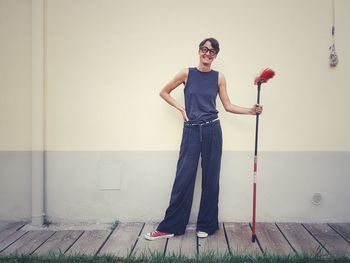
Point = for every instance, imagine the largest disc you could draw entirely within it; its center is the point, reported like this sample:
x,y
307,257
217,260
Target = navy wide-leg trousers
x,y
203,140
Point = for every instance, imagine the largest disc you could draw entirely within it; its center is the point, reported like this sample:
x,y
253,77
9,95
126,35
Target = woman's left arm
x,y
229,107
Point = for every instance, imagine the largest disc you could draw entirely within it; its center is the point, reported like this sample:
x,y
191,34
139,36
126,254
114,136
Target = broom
x,y
263,78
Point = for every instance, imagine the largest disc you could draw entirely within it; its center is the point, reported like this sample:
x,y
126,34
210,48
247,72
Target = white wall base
x,y
286,184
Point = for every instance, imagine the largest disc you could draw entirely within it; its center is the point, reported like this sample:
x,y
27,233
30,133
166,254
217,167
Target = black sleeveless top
x,y
201,91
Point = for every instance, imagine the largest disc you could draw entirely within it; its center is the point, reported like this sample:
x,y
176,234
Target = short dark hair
x,y
214,43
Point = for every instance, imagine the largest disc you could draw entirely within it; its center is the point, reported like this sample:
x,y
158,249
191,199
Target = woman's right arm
x,y
180,78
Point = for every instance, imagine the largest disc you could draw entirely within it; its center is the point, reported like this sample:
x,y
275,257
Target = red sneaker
x,y
157,235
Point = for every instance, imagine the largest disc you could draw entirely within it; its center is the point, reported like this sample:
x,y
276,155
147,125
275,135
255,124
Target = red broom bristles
x,y
264,76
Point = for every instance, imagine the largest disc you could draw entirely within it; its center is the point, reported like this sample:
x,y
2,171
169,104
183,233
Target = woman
x,y
201,136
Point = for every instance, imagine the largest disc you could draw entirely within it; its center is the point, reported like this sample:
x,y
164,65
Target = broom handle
x,y
257,123
255,168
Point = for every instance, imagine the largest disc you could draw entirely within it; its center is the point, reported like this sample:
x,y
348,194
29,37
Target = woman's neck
x,y
204,68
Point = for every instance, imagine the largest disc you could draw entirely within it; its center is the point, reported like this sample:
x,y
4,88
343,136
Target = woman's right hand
x,y
184,115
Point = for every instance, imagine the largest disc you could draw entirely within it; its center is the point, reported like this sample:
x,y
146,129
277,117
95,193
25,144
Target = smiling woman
x,y
211,45
202,136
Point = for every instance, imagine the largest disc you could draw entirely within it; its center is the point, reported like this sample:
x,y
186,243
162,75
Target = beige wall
x,y
15,75
107,60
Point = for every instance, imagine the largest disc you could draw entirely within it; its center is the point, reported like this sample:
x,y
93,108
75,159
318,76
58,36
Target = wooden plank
x,y
11,239
301,240
333,242
28,243
59,242
145,247
239,236
11,225
3,225
122,240
185,245
10,229
89,243
215,243
343,229
272,241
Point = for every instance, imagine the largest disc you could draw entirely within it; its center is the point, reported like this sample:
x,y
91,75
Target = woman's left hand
x,y
256,109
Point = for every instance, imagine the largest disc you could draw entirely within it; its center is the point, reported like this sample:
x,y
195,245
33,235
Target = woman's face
x,y
207,54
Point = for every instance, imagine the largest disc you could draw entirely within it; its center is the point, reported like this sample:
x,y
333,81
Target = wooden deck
x,y
127,238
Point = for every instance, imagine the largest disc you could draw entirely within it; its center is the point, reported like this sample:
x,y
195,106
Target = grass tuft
x,y
159,258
